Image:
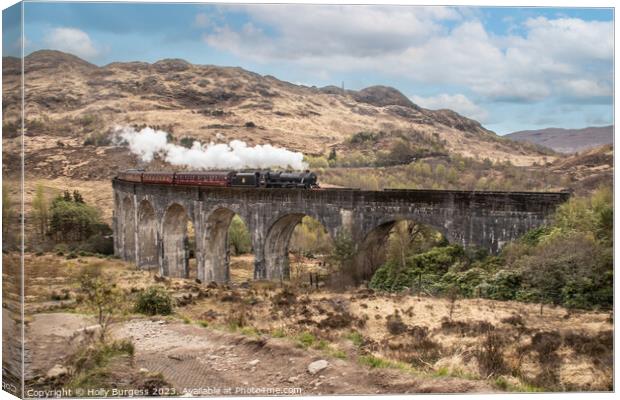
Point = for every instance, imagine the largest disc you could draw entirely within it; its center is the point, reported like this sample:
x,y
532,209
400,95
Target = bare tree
x,y
103,297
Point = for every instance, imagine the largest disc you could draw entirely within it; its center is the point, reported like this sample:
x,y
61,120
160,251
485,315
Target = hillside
x,y
70,102
567,140
587,170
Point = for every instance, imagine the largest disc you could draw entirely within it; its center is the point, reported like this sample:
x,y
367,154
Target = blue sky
x,y
510,68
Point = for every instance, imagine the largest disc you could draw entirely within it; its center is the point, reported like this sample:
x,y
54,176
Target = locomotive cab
x,y
309,180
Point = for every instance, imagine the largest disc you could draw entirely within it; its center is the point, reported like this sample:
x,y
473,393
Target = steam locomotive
x,y
262,179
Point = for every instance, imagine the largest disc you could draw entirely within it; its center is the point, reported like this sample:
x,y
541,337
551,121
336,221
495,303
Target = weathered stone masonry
x,y
150,221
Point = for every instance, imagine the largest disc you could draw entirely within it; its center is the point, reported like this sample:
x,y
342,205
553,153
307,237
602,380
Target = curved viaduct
x,y
150,222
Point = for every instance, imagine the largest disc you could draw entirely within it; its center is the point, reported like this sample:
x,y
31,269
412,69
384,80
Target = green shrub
x,y
87,120
534,236
365,137
341,260
467,282
100,354
278,333
306,339
503,285
153,301
355,159
98,244
426,268
321,345
11,129
377,362
568,269
489,355
239,237
187,142
316,162
98,139
65,295
337,353
250,331
374,362
61,249
310,237
73,220
356,338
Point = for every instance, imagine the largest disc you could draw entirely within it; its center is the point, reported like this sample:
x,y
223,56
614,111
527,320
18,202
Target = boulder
x,y
317,366
56,372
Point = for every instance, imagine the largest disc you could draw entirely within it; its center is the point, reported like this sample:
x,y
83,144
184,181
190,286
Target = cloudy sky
x,y
509,68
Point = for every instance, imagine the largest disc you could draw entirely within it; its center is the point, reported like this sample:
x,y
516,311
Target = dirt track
x,y
195,358
204,361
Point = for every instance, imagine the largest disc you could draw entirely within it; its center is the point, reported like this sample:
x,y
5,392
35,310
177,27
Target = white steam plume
x,y
148,142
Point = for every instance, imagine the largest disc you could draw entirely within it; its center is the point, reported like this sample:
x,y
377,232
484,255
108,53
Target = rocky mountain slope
x,y
587,170
70,103
567,140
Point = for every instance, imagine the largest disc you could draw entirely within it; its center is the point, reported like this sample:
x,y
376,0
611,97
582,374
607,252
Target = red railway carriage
x,y
166,178
210,178
134,175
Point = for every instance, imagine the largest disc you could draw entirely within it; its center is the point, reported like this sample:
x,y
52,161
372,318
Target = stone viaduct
x,y
150,222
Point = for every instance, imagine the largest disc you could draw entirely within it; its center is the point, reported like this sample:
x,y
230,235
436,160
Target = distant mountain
x,y
567,140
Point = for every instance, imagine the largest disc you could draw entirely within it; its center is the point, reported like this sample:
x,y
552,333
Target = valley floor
x,y
263,337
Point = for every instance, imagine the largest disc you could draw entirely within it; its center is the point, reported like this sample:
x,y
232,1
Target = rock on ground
x,y
317,366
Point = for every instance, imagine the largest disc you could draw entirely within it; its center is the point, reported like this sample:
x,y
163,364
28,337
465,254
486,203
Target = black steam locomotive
x,y
263,179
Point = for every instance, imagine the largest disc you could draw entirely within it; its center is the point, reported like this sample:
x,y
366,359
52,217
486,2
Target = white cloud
x,y
71,40
512,68
307,31
552,56
201,20
457,102
571,38
587,88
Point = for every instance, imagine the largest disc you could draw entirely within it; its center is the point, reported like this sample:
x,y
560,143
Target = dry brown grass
x,y
485,339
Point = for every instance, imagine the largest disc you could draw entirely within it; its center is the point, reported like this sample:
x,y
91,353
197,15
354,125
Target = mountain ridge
x,y
72,106
565,140
377,95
